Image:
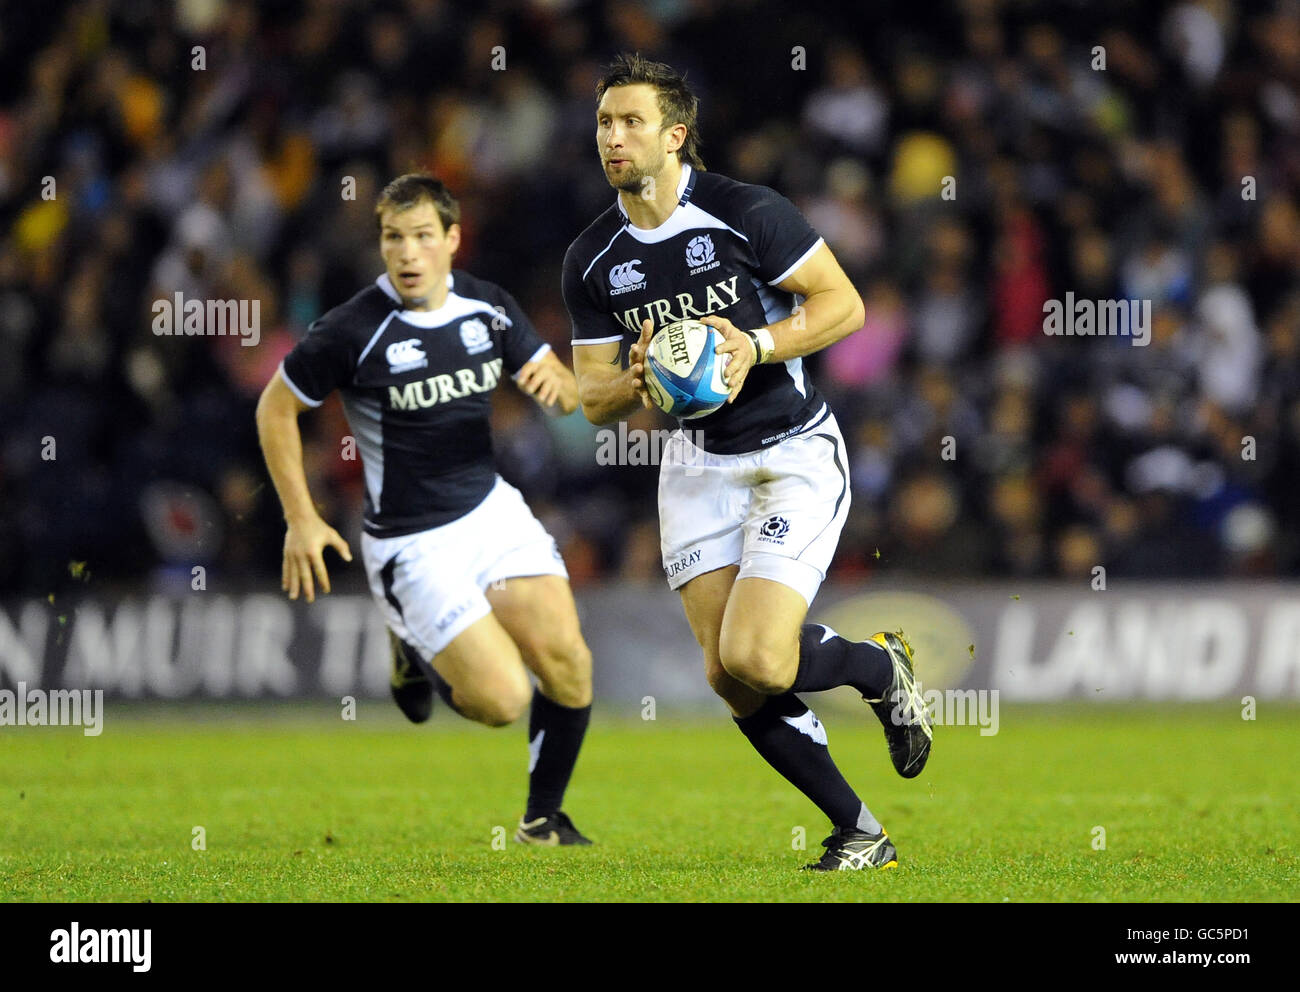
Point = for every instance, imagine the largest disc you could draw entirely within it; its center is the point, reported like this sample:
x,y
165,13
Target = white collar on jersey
x,y
685,217
453,306
681,188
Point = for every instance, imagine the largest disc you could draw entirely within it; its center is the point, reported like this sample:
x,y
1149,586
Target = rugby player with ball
x,y
749,521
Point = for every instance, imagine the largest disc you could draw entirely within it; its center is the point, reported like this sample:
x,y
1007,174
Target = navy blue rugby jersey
x,y
721,252
416,388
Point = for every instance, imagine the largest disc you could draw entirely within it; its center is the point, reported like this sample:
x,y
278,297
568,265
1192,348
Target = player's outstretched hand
x,y
636,362
549,381
304,556
737,344
540,381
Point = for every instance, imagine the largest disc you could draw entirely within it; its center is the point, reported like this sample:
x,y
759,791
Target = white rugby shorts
x,y
430,585
776,512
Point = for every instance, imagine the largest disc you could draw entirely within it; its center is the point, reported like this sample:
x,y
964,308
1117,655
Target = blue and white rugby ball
x,y
682,374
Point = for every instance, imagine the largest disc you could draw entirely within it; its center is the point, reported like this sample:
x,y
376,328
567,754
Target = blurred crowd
x,y
967,161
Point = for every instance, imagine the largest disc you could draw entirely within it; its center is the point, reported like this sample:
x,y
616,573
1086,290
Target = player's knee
x,y
740,698
759,665
504,700
502,711
564,668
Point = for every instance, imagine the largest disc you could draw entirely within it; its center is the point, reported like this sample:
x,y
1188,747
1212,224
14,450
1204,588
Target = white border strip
x,y
371,343
794,268
537,355
617,337
602,251
296,391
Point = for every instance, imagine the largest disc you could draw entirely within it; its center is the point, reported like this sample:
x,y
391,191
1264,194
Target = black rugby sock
x,y
555,735
827,660
789,737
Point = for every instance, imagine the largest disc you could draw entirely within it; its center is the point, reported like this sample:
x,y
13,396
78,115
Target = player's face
x,y
417,253
628,136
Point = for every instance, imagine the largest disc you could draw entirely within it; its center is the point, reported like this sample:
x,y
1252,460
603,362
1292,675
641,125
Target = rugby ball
x,y
682,374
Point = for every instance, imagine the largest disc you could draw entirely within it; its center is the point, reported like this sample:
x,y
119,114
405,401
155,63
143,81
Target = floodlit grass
x,y
296,804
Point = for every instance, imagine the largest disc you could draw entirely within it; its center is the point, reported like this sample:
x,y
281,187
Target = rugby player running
x,y
749,520
473,589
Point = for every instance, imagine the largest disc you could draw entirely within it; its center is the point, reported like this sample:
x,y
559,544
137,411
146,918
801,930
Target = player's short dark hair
x,y
406,191
677,104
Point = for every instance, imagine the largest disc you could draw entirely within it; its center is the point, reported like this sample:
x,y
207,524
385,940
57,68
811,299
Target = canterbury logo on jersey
x,y
623,278
405,355
436,389
662,311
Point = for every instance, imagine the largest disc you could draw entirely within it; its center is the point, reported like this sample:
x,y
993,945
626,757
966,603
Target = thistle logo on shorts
x,y
623,278
699,254
774,529
405,355
474,336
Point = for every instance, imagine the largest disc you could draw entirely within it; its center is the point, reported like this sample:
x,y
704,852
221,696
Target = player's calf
x,y
557,725
539,614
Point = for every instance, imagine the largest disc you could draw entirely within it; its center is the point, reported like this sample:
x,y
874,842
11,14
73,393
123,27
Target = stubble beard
x,y
634,182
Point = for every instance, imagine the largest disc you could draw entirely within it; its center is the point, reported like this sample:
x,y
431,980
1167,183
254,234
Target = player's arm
x,y
549,382
307,535
608,391
831,310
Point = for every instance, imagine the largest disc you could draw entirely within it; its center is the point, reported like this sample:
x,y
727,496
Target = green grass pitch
x,y
297,804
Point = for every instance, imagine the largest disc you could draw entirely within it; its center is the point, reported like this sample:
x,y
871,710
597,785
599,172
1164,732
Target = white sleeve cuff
x,y
796,266
616,337
296,391
535,357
